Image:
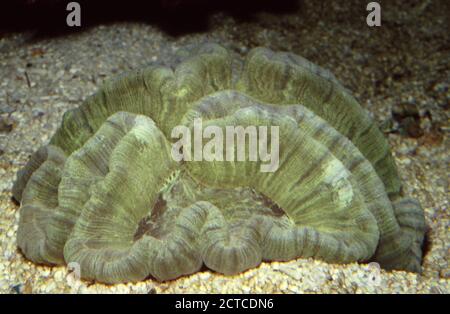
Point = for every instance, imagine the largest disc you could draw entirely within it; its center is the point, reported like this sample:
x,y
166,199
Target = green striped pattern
x,y
105,192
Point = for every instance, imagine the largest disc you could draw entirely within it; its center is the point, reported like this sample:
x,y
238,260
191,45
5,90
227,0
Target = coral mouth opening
x,y
277,211
159,222
149,224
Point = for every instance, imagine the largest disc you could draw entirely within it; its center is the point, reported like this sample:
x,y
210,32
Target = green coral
x,y
106,193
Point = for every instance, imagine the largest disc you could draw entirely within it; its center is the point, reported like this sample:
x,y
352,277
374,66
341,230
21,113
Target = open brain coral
x,y
107,194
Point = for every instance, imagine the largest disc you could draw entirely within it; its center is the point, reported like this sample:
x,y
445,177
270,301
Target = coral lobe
x,y
106,193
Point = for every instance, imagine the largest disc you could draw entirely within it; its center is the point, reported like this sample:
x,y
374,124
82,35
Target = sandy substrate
x,y
403,66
